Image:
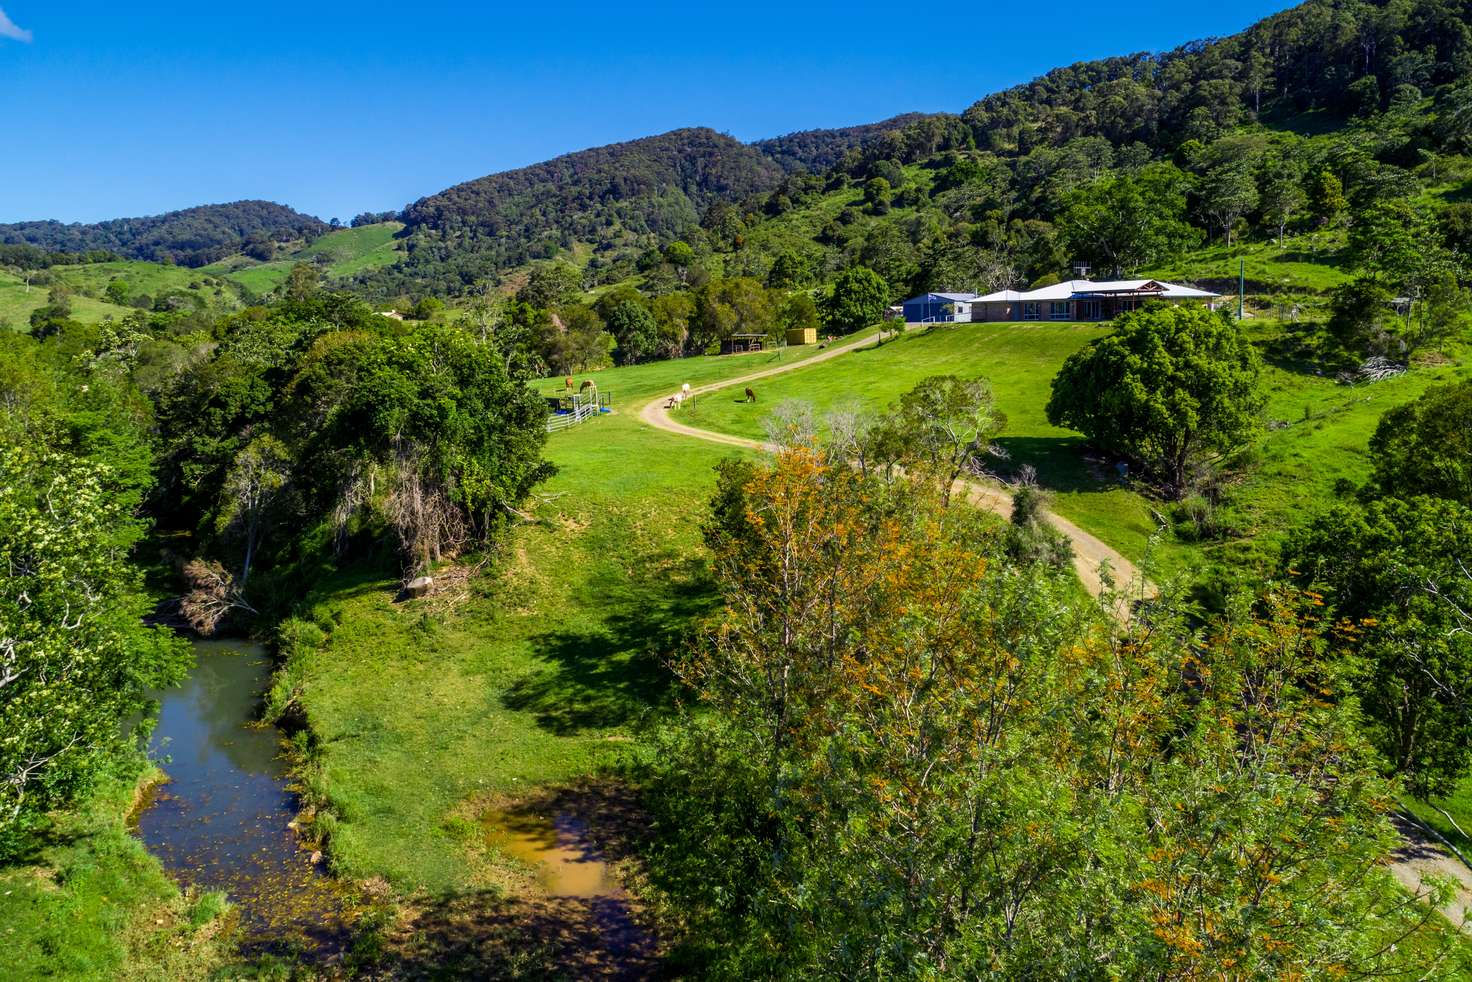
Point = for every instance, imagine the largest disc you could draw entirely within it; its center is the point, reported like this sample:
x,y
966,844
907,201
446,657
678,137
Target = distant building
x,y
1080,300
938,308
802,335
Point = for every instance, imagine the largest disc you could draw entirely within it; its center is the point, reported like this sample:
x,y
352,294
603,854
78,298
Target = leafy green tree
x,y
633,326
551,284
796,312
878,194
75,658
1362,321
1175,389
423,430
1283,197
1425,447
1326,197
577,341
681,256
911,758
1444,311
858,300
736,305
673,313
1362,98
1227,192
425,308
303,281
789,270
1394,574
941,430
254,486
1124,222
1392,242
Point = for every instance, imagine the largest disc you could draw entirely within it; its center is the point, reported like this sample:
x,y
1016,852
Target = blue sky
x,y
114,109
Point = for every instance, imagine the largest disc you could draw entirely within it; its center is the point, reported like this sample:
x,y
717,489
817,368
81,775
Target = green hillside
x,y
18,302
339,254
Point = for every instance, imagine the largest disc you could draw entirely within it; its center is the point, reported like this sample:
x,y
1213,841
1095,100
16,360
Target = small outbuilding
x,y
740,344
802,335
939,308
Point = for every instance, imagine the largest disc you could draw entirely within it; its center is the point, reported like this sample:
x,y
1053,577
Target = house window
x,y
1088,310
1061,310
1032,311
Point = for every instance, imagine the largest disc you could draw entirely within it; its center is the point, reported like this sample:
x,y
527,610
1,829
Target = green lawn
x,y
632,385
262,278
352,250
348,251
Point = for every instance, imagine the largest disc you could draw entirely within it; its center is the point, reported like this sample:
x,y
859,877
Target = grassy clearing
x,y
1305,264
262,278
533,675
153,279
17,303
1458,805
346,252
1020,360
91,903
353,250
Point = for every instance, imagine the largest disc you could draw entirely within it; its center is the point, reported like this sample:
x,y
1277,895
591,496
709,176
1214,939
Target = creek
x,y
220,820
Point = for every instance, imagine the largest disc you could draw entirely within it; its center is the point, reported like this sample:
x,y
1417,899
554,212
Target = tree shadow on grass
x,y
1063,463
1303,349
609,675
483,936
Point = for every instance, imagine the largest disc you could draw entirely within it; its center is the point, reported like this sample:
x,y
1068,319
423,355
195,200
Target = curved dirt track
x,y
1091,557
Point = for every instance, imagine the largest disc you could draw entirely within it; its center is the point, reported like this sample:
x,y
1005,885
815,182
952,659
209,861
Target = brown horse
x,y
587,384
750,394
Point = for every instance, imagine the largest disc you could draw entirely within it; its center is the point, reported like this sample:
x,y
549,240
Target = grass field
x,y
1305,264
153,279
352,250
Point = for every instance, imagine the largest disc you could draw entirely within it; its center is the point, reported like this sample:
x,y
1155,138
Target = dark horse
x,y
750,394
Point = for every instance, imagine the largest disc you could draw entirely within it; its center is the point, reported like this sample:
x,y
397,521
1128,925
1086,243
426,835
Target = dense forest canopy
x,y
192,237
816,151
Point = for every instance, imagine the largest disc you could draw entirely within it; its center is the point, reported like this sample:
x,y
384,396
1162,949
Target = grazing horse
x,y
587,384
750,394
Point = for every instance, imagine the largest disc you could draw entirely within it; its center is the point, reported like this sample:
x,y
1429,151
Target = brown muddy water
x,y
557,847
578,879
220,821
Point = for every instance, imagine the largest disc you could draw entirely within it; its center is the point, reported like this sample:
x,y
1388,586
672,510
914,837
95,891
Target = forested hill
x,y
192,237
658,186
1336,58
818,150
